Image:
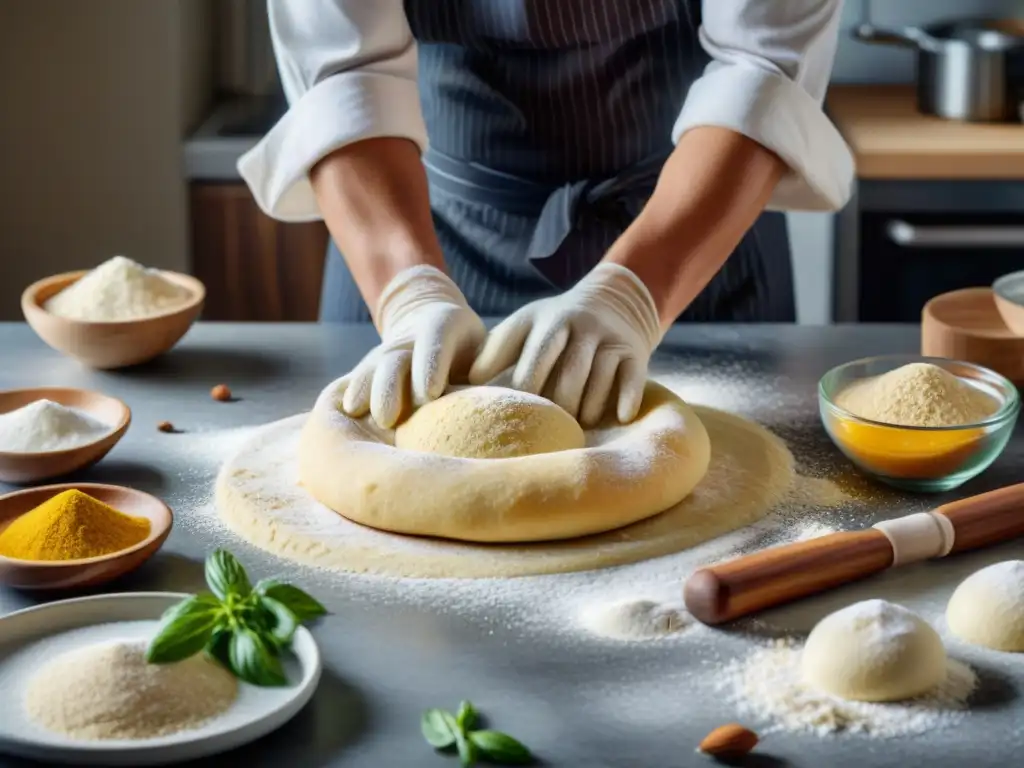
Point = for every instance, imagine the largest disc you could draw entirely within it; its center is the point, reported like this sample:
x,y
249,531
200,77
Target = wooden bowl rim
x,y
116,432
156,532
193,284
929,315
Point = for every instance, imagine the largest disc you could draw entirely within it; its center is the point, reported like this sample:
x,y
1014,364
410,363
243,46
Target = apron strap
x,y
557,209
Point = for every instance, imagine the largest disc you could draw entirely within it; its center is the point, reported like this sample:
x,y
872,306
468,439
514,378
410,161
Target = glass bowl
x,y
926,459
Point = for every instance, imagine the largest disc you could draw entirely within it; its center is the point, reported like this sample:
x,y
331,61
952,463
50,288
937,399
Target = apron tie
x,y
557,209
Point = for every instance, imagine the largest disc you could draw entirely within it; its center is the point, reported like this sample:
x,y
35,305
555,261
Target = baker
x,y
597,170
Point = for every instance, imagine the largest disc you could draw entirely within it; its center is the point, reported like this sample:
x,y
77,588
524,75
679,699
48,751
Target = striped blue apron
x,y
549,121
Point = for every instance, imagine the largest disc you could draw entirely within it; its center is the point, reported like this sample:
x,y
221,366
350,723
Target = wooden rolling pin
x,y
723,592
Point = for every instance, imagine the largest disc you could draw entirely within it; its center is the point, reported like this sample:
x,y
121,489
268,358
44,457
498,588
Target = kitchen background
x,y
121,120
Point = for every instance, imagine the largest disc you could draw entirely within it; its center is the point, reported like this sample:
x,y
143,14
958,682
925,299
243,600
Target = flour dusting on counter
x,y
767,685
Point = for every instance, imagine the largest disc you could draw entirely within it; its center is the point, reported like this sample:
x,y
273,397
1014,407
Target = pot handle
x,y
907,37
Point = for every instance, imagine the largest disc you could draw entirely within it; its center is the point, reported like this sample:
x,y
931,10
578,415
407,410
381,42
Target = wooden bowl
x,y
966,325
93,571
21,468
115,344
1009,295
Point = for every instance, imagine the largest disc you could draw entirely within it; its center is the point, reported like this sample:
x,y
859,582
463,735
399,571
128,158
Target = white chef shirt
x,y
349,72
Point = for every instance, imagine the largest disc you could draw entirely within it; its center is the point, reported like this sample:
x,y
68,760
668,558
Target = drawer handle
x,y
912,236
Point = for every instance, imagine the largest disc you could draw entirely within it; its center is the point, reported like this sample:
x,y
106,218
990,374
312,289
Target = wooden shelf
x,y
892,140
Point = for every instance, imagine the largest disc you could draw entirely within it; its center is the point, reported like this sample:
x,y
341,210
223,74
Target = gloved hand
x,y
427,330
571,346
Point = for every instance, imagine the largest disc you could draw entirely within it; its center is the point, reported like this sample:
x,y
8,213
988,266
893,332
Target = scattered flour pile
x,y
118,289
917,395
108,691
44,425
634,619
812,530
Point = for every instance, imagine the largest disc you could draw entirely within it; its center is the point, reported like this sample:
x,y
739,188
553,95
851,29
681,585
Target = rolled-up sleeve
x,y
349,71
770,68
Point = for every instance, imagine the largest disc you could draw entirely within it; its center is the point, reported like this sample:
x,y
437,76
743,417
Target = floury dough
x,y
489,423
258,496
624,474
874,651
987,608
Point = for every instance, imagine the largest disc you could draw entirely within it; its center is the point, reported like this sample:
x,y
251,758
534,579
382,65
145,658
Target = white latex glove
x,y
427,330
607,324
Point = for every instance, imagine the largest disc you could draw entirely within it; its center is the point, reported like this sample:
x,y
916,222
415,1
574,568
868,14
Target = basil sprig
x,y
245,628
443,731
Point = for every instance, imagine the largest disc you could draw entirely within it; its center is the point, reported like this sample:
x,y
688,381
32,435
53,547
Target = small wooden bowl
x,y
965,325
107,345
21,468
1009,294
93,571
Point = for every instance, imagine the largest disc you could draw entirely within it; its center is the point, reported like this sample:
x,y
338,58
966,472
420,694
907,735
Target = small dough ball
x,y
489,423
874,651
988,607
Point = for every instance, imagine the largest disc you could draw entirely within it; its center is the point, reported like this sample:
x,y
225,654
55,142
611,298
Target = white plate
x,y
32,637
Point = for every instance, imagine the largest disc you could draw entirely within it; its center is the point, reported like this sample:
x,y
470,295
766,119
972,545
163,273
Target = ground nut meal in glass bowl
x,y
918,423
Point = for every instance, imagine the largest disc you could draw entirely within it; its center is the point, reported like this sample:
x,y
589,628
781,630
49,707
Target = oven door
x,y
905,260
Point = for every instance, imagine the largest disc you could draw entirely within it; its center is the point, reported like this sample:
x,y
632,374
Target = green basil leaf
x,y
253,661
500,748
283,622
467,749
226,576
436,729
304,607
266,584
184,629
467,716
219,647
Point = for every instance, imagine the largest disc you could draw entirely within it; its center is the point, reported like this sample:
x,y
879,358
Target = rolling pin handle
x,y
727,591
706,597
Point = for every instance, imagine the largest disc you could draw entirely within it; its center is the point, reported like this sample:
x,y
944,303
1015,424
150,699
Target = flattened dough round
x,y
259,498
489,423
637,471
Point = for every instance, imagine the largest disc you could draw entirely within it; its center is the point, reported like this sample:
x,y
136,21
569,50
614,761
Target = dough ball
x,y
874,651
988,607
489,423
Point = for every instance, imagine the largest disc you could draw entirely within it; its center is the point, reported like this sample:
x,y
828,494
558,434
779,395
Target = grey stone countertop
x,y
580,705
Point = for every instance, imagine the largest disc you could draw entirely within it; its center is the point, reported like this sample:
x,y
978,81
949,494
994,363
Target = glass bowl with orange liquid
x,y
926,459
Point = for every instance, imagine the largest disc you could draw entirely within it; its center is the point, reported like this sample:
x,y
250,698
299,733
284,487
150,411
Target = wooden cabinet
x,y
254,268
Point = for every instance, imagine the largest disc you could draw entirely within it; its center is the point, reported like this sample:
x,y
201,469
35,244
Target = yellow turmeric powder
x,y
71,526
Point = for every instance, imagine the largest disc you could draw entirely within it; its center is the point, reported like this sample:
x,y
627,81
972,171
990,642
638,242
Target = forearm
x,y
711,190
374,199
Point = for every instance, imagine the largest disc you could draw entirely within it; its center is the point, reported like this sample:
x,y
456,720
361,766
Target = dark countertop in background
x,y
385,663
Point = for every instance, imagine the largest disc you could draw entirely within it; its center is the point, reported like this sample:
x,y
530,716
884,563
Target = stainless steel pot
x,y
969,70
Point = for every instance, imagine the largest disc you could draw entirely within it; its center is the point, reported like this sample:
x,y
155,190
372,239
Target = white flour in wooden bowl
x,y
118,289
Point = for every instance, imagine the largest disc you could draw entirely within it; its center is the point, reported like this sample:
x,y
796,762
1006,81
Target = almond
x,y
221,393
165,426
729,741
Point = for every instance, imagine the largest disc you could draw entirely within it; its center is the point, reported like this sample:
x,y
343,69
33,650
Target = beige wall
x,y
94,99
